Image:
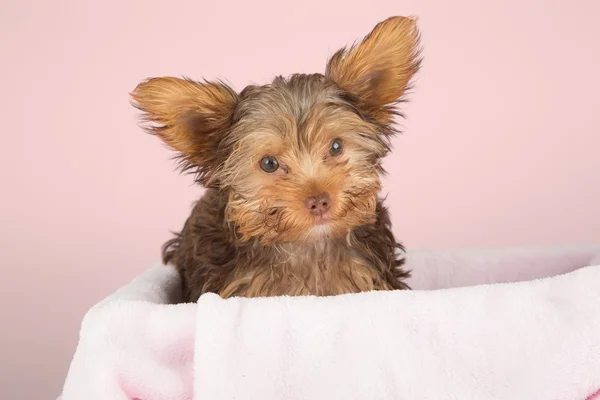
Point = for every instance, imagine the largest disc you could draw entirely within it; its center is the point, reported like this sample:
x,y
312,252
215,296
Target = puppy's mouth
x,y
322,219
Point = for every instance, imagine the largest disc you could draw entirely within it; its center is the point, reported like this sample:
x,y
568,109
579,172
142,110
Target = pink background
x,y
502,143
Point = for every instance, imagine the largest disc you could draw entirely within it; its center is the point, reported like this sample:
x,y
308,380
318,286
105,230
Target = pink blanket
x,y
481,324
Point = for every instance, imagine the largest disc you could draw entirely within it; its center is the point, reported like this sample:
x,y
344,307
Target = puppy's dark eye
x,y
336,148
269,164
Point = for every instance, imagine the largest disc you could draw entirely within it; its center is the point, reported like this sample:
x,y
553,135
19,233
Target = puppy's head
x,y
299,157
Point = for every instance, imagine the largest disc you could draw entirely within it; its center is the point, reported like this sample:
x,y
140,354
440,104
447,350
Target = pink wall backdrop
x,y
502,143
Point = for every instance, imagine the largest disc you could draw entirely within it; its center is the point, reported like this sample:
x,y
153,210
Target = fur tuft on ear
x,y
190,117
377,71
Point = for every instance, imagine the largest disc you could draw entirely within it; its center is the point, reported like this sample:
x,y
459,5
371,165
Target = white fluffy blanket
x,y
510,324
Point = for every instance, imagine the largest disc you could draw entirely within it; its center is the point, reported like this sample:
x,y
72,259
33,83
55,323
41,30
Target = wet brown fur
x,y
250,234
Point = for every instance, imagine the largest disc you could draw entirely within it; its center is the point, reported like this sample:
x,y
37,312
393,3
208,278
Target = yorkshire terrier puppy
x,y
292,173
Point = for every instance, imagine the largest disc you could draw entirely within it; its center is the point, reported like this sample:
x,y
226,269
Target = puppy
x,y
292,173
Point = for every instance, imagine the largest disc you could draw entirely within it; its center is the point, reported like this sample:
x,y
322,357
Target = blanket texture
x,y
510,324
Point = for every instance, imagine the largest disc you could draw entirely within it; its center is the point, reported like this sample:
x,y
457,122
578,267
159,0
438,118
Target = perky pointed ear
x,y
190,117
378,70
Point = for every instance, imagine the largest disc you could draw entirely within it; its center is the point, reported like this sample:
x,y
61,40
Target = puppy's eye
x,y
336,148
269,164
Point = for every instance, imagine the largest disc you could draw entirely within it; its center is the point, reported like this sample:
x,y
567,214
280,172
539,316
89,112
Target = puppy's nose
x,y
318,205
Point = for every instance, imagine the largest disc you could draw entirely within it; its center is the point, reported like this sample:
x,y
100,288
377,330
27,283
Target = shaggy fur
x,y
259,231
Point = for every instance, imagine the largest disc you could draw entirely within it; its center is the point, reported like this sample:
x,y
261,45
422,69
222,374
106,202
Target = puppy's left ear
x,y
377,71
193,118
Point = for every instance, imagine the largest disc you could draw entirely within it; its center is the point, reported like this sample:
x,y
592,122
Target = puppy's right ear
x,y
191,117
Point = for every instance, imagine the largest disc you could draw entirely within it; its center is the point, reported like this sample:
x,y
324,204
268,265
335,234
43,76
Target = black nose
x,y
318,205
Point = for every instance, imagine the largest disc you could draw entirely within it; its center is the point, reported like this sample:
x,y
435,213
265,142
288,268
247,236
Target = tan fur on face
x,y
271,206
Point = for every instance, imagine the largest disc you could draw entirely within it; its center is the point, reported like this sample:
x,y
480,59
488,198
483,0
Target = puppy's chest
x,y
321,271
320,260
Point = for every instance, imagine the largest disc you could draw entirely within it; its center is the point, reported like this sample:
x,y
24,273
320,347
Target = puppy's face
x,y
300,157
303,162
